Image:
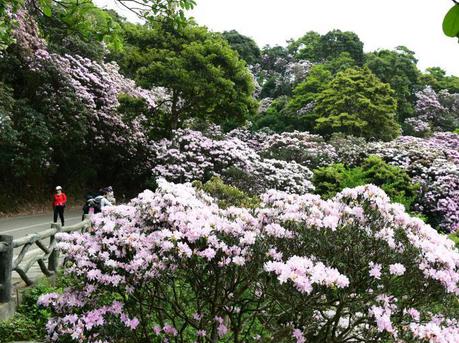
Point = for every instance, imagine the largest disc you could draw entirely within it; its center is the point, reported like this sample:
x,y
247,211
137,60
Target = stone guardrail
x,y
26,258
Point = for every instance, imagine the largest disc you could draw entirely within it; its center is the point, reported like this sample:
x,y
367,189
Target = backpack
x,y
88,204
97,204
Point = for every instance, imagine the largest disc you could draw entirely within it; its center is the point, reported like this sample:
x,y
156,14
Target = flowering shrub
x,y
190,155
417,127
173,266
434,163
351,150
67,119
301,147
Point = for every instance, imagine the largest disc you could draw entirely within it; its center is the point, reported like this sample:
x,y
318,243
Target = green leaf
x,y
46,8
47,11
451,22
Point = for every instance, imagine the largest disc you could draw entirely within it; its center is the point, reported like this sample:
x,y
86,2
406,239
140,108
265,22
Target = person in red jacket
x,y
60,199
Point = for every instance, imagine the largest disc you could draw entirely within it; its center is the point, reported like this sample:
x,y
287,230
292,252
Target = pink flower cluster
x,y
98,86
305,272
428,112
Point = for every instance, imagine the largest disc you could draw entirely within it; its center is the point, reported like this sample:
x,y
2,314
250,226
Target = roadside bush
x,y
29,321
174,266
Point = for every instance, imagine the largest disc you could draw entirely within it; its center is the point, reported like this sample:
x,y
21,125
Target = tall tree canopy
x,y
306,47
357,103
335,42
246,47
204,76
397,68
314,47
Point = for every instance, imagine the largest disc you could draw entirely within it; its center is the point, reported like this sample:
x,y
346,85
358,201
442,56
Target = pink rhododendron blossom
x,y
298,335
375,270
397,269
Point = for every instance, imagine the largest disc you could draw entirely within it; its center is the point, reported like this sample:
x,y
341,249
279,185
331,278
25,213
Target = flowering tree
x,y
68,114
430,114
278,72
171,265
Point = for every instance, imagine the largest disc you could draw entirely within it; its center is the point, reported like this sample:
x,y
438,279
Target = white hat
x,y
58,188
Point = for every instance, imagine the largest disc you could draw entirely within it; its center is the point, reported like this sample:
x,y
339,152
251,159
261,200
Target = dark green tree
x,y
306,47
397,68
296,113
437,78
306,92
204,77
357,103
246,47
316,48
335,42
340,63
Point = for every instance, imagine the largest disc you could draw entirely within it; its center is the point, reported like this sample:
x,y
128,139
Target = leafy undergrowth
x,y
29,321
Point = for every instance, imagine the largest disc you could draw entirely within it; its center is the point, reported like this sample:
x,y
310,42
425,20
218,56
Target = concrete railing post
x,y
53,259
6,267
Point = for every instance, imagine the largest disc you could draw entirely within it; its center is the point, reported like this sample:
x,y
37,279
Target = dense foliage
x,y
246,47
67,117
393,180
29,321
292,104
60,120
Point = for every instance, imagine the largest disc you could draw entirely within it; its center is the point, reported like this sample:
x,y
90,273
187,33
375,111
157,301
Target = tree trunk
x,y
174,111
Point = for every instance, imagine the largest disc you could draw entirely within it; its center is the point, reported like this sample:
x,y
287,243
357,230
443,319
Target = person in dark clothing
x,y
60,199
88,205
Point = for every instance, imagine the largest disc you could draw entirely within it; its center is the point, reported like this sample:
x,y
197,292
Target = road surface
x,y
20,226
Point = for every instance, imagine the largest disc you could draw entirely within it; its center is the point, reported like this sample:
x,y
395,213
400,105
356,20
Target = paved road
x,y
22,225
